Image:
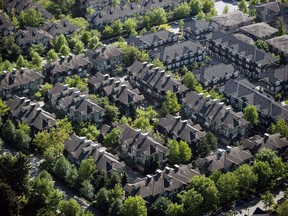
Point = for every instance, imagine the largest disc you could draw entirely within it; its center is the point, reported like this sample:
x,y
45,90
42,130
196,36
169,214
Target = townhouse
x,y
79,148
153,81
198,29
6,26
224,160
275,80
258,31
167,182
245,57
176,128
58,70
26,111
215,116
106,58
127,98
180,54
25,38
242,93
75,104
275,142
22,83
231,22
139,150
57,28
279,45
153,40
215,75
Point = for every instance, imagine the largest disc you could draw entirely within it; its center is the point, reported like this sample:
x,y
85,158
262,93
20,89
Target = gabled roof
x,y
176,50
272,75
155,78
182,129
224,159
162,181
280,43
235,18
242,89
19,78
31,34
259,30
30,113
103,54
5,24
57,28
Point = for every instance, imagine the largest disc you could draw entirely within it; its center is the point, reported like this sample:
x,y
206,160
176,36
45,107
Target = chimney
x,y
117,83
266,137
106,76
158,173
167,170
176,167
70,56
148,179
144,64
33,33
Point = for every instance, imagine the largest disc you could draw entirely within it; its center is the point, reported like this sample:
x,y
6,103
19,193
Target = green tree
x,y
111,113
77,82
182,10
45,88
6,66
9,204
185,152
132,53
9,131
87,169
102,199
114,180
251,114
112,138
93,43
36,59
70,208
64,50
196,7
191,201
157,16
116,208
59,42
14,170
62,167
262,45
225,10
134,206
268,199
3,108
87,189
228,186
283,209
207,144
52,55
158,63
108,32
117,27
90,131
22,139
208,190
9,49
117,192
115,2
175,209
160,206
153,30
181,26
174,155
78,48
130,24
208,6
39,48
264,174
170,105
281,29
266,155
72,176
252,11
190,81
65,125
32,17
247,179
85,38
21,62
142,123
242,6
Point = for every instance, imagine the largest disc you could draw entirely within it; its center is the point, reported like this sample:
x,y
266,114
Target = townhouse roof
x,y
81,148
19,78
103,54
215,110
155,78
57,28
259,30
65,64
244,38
149,38
162,181
224,159
200,25
5,24
280,43
217,71
31,34
272,75
140,142
23,5
244,49
272,141
30,113
232,19
269,8
245,91
175,50
183,129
